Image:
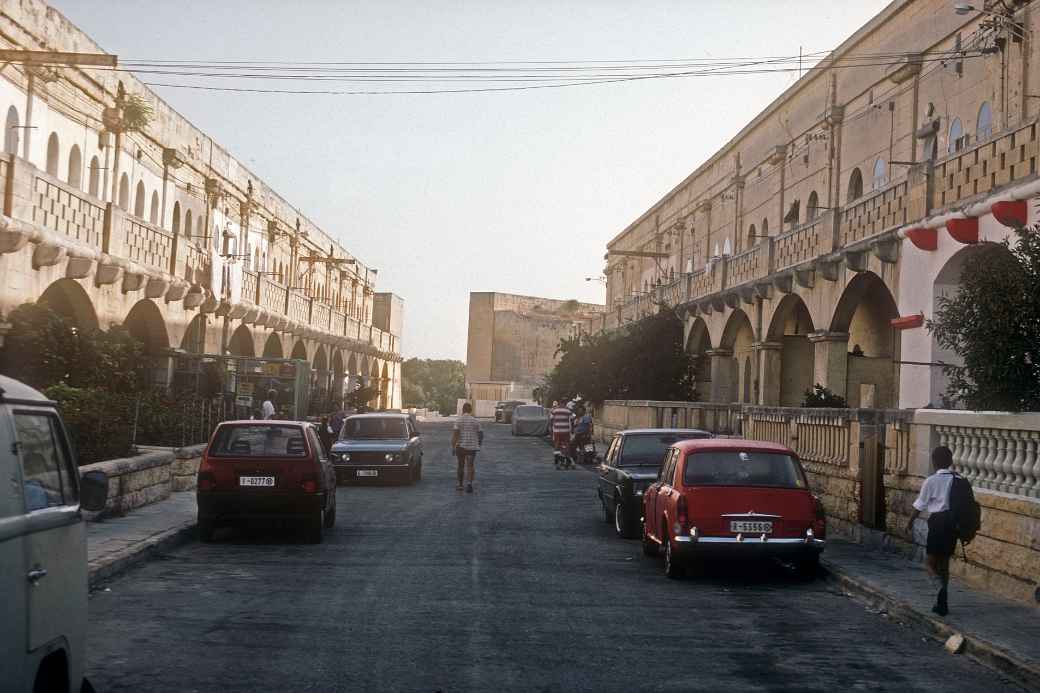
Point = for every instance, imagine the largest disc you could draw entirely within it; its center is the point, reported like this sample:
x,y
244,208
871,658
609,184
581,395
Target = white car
x,y
43,549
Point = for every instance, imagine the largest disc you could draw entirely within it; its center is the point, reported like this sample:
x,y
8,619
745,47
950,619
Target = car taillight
x,y
681,516
820,523
206,481
309,483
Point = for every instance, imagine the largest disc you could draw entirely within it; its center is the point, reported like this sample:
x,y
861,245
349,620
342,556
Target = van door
x,y
55,546
13,584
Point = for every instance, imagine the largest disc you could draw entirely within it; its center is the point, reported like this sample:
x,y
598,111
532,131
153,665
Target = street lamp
x,y
596,279
963,8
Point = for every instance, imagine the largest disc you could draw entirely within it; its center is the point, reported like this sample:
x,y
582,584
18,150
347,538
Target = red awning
x,y
1010,213
964,230
925,239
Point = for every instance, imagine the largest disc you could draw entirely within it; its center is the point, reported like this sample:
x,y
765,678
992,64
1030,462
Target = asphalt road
x,y
520,586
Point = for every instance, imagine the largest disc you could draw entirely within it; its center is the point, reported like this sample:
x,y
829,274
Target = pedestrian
x,y
560,416
336,421
466,438
952,515
325,434
582,430
267,409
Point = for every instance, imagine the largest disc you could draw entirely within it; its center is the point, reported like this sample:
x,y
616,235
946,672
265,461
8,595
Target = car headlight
x,y
392,457
637,492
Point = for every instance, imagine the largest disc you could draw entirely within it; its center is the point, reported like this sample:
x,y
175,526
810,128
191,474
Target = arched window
x,y
256,259
75,178
124,193
855,185
12,135
880,174
812,207
139,200
765,227
52,154
94,180
984,123
955,140
187,223
153,209
175,222
751,236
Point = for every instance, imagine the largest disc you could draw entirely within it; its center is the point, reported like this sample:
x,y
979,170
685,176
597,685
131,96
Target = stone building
x,y
813,246
513,339
165,231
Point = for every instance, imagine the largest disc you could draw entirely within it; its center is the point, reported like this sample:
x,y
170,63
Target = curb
x,y
1023,672
108,567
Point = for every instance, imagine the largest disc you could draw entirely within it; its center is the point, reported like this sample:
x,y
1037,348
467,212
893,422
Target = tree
x,y
433,383
41,349
993,322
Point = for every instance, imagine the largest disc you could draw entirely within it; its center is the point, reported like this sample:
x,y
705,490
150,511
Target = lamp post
x,y
964,8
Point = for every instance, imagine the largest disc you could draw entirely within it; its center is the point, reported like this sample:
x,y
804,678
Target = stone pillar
x,y
723,376
769,372
830,360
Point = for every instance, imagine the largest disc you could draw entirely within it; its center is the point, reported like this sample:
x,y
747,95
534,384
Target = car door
x,y
55,546
13,582
666,492
607,472
327,470
650,500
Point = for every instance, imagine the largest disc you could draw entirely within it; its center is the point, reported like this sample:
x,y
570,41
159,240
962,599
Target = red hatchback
x,y
264,471
732,497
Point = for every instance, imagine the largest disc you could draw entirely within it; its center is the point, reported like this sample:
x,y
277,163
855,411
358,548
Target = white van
x,y
43,549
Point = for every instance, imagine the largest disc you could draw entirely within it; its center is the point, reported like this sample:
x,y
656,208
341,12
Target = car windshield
x,y
743,468
648,449
529,412
374,427
264,440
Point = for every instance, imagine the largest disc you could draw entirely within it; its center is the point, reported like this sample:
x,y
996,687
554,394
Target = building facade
x,y
513,339
166,232
813,246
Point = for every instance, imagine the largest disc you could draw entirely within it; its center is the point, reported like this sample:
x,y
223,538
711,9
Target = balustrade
x,y
249,286
747,266
998,459
64,209
874,214
804,243
1002,160
822,438
701,283
196,265
299,308
147,244
320,315
272,296
338,323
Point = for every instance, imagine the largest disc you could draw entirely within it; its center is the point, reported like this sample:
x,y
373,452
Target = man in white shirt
x,y
267,408
934,498
465,442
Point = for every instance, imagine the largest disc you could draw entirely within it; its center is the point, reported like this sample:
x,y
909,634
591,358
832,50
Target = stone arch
x,y
338,377
94,177
145,323
175,220
194,341
124,193
153,209
139,195
53,154
12,133
812,206
299,350
786,364
736,349
865,345
273,347
75,169
67,298
187,223
241,342
384,387
855,189
320,380
698,344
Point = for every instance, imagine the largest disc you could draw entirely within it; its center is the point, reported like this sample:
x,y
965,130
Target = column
x,y
722,375
830,360
769,373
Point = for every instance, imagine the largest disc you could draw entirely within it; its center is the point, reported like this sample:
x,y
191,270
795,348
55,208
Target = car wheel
x,y
622,523
206,530
808,567
649,545
672,569
330,517
316,527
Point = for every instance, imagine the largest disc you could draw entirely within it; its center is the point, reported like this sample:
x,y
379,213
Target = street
x,y
520,586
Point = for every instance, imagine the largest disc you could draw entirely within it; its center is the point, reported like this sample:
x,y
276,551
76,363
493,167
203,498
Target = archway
x,y
175,219
68,299
241,342
864,312
338,378
320,381
146,324
273,347
698,343
299,350
75,177
53,154
12,133
384,388
786,370
194,341
139,195
94,180
153,209
855,190
124,193
738,339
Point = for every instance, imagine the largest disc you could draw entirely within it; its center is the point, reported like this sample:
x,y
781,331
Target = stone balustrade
x,y
803,243
1004,159
250,286
147,244
61,208
875,213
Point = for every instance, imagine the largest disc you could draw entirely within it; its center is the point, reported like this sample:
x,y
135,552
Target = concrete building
x,y
165,231
513,339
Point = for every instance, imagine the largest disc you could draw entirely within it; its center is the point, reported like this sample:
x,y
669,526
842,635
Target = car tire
x,y
206,529
672,569
330,517
649,546
622,521
316,527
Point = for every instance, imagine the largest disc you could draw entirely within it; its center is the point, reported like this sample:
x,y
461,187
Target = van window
x,y
47,479
751,468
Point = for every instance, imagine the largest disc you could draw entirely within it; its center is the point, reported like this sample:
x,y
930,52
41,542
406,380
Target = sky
x,y
445,194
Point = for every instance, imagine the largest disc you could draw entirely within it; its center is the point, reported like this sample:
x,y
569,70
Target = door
x,y
608,474
328,472
56,552
652,498
13,583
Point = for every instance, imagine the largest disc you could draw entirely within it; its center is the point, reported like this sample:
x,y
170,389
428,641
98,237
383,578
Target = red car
x,y
719,497
266,471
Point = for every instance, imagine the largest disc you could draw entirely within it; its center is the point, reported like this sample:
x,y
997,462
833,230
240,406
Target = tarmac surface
x,y
519,586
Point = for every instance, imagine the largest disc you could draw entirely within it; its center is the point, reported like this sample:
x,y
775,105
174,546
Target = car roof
x,y
702,444
12,390
379,415
263,422
659,431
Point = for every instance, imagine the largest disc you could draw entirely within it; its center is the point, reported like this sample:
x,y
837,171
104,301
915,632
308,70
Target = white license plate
x,y
368,472
256,481
746,527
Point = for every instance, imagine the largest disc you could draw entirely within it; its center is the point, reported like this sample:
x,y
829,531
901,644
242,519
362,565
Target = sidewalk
x,y
116,543
999,633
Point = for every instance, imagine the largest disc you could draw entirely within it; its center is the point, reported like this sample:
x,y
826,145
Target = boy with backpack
x,y
952,514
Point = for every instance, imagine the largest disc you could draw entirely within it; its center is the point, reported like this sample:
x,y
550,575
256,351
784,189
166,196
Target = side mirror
x,y
93,491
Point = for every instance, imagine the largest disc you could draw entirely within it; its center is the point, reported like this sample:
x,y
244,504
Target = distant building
x,y
513,340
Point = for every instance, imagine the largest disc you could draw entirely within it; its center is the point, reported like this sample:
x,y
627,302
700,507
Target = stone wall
x,y
147,478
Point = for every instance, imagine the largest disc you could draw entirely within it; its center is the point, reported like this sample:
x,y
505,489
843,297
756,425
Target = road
x,y
520,586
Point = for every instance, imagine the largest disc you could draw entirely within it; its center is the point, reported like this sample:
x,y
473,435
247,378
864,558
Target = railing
x,y
320,315
299,308
196,265
804,243
249,285
822,437
147,244
1002,160
701,283
339,322
749,265
62,208
873,215
272,296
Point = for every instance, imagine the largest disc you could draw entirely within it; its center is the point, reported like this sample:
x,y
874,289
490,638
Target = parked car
x,y
530,420
378,447
504,410
43,547
731,497
263,472
632,463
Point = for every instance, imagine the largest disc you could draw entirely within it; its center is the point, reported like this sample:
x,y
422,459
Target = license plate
x,y
746,527
256,481
368,472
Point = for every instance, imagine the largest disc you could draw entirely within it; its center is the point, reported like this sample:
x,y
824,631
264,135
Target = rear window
x,y
259,441
648,450
736,468
374,427
529,411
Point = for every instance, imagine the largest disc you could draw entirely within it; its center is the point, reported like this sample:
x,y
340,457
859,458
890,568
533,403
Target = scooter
x,y
562,460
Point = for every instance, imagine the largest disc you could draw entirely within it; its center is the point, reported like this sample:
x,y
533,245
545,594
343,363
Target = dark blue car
x,y
378,448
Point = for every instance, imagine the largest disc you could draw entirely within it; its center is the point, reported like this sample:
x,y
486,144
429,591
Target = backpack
x,y
967,514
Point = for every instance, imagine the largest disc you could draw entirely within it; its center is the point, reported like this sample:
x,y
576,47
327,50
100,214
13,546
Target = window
x,y
855,185
373,427
263,440
124,193
880,174
751,236
176,222
955,140
765,227
650,449
75,177
139,200
984,123
47,479
187,223
812,207
12,134
153,210
52,154
94,182
750,468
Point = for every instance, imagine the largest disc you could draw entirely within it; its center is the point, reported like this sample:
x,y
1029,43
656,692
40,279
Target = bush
x,y
821,397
